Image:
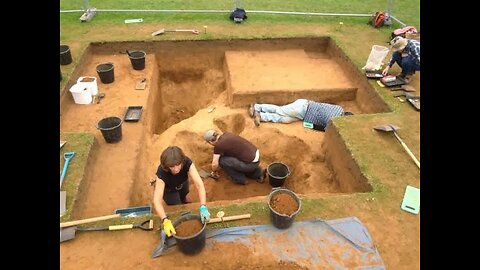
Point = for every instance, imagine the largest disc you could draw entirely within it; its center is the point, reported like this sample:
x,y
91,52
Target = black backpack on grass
x,y
238,15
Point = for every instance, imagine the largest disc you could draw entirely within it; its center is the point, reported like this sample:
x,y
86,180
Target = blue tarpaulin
x,y
338,244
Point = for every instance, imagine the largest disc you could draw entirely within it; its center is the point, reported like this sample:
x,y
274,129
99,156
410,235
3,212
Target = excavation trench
x,y
193,86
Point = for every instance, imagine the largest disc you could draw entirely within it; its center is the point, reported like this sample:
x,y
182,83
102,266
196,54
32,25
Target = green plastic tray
x,y
411,200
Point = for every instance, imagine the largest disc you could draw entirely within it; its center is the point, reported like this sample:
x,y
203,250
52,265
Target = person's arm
x,y
157,204
215,166
385,70
158,198
197,181
195,177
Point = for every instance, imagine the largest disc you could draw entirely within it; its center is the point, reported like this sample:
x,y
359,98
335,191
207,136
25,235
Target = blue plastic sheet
x,y
337,244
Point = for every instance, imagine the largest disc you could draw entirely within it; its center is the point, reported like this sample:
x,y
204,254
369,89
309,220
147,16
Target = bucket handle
x,y
289,172
96,125
288,168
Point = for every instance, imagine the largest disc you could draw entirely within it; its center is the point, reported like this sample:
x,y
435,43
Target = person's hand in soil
x,y
215,175
204,214
168,227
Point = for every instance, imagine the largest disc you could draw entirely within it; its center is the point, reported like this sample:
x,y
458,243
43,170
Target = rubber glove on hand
x,y
204,214
168,227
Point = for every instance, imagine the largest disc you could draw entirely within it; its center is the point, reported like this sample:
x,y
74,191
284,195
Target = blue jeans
x,y
239,170
407,64
174,196
294,111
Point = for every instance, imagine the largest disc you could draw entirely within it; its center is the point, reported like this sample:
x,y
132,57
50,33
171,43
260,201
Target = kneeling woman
x,y
172,185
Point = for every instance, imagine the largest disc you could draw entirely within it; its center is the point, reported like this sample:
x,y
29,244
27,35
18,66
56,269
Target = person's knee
x,y
222,162
172,199
408,67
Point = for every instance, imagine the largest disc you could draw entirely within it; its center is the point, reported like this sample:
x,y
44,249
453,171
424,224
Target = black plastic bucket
x,y
137,58
111,128
279,220
106,72
192,244
277,173
65,55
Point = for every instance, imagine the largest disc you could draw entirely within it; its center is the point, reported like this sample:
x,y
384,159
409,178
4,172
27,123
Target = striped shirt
x,y
320,113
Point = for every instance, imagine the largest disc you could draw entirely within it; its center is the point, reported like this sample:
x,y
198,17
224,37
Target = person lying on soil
x,y
317,113
236,155
172,185
406,53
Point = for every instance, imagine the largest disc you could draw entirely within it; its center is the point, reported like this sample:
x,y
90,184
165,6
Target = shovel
x,y
69,232
122,212
63,195
67,156
163,31
394,128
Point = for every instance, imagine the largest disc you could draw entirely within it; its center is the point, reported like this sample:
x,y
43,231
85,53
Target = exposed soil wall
x,y
343,167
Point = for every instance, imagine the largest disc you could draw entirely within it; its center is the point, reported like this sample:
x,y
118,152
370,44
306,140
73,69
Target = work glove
x,y
168,227
204,214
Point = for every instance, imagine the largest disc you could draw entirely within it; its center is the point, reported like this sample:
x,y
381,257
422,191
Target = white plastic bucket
x,y
375,59
90,83
81,94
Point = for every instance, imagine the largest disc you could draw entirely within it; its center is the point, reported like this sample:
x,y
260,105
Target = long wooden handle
x,y
120,227
237,217
88,220
407,149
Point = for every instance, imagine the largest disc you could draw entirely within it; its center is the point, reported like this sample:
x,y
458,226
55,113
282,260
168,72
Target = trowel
x,y
140,85
205,174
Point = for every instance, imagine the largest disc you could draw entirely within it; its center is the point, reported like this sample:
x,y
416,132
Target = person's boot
x,y
186,200
251,110
256,119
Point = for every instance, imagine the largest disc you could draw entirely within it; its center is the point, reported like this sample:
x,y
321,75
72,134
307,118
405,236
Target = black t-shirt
x,y
172,181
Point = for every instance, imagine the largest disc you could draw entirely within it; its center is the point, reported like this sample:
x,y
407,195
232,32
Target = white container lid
x,y
92,85
87,77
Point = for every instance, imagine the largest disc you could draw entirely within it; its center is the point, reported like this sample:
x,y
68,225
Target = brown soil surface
x,y
188,227
284,203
